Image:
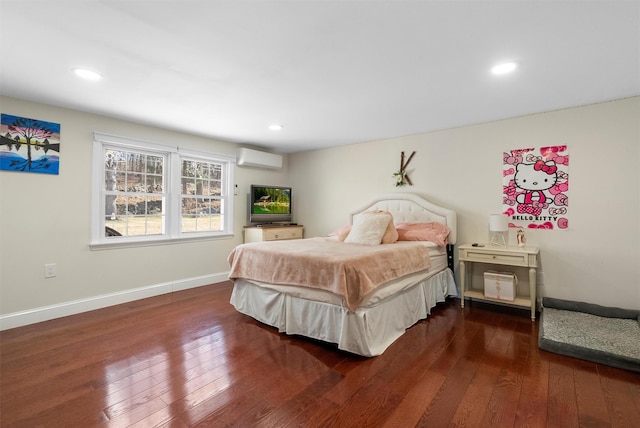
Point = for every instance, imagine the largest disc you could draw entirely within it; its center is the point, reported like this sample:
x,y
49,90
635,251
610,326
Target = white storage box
x,y
500,285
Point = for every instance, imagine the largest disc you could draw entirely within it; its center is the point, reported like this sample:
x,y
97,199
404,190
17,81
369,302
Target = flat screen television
x,y
270,204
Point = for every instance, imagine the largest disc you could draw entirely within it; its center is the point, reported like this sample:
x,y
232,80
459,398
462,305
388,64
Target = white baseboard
x,y
46,313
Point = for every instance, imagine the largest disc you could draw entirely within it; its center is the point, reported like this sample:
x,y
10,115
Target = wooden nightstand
x,y
510,256
272,233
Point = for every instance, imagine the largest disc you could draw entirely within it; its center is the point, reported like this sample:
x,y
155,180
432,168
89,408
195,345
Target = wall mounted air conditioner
x,y
258,159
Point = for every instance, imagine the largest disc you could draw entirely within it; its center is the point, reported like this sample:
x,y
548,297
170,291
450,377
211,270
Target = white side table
x,y
509,256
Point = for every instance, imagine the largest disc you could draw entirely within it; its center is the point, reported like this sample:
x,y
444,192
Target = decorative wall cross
x,y
401,176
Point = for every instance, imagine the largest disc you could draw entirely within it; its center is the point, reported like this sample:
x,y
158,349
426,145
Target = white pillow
x,y
368,229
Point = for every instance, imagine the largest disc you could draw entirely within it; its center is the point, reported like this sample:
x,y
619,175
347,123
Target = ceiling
x,y
331,72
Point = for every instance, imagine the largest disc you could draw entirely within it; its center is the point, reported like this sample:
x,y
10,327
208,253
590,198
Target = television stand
x,y
273,232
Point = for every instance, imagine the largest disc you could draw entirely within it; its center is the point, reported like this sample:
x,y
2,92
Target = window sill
x,y
119,243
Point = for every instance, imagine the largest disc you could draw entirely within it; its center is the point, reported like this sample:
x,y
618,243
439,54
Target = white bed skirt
x,y
367,331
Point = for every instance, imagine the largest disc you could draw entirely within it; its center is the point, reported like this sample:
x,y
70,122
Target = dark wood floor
x,y
189,359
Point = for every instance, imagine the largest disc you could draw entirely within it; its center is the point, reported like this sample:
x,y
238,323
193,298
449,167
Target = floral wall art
x,y
29,145
535,187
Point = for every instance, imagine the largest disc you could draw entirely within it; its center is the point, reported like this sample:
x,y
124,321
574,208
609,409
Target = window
x,y
134,192
200,195
146,193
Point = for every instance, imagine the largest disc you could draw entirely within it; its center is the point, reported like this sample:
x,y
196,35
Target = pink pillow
x,y
341,233
432,232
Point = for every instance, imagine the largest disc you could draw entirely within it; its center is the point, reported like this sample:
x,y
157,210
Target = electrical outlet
x,y
50,270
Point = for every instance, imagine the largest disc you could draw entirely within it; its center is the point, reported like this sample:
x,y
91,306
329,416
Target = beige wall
x,y
46,219
596,260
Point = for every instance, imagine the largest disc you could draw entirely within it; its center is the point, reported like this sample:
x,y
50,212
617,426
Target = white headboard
x,y
411,208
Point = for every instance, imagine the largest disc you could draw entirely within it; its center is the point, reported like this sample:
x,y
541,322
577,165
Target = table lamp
x,y
498,228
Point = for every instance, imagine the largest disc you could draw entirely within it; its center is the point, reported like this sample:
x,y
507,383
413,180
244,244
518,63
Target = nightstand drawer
x,y
484,256
275,234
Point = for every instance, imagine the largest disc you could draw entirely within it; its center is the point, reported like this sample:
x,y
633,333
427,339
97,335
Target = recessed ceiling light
x,y
504,68
275,127
87,74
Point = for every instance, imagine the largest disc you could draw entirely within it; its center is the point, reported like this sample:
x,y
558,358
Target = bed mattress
x,y
373,327
438,257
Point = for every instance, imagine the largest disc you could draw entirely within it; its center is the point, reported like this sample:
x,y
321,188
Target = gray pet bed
x,y
604,335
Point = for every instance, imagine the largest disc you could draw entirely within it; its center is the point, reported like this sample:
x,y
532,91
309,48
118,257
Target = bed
x,y
320,301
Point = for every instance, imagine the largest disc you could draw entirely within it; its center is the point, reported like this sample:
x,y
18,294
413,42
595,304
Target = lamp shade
x,y
498,223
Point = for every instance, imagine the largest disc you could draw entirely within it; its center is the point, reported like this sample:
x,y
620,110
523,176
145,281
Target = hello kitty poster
x,y
535,187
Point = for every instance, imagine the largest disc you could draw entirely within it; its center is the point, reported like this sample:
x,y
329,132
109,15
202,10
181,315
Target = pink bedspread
x,y
348,270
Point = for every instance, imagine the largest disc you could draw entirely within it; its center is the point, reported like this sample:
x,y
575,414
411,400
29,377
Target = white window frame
x,y
174,155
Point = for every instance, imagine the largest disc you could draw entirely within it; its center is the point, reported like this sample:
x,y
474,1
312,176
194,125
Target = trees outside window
x,y
147,192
